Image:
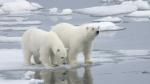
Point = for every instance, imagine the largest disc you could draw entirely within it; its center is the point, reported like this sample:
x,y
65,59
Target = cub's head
x,y
92,32
60,56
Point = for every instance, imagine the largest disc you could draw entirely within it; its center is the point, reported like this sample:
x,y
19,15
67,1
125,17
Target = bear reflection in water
x,y
65,77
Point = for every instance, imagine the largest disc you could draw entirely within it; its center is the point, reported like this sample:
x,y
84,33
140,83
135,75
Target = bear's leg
x,y
72,58
86,53
44,57
36,58
54,59
27,57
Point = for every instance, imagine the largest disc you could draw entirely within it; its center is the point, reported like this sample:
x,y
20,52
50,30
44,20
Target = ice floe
x,y
142,5
21,23
19,6
12,59
124,7
55,11
108,10
9,39
108,19
104,26
66,12
139,14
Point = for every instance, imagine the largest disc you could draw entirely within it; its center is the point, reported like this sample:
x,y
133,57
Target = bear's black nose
x,y
64,63
97,32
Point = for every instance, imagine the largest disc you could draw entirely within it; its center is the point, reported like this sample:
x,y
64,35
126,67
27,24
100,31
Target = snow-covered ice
x,y
104,26
18,6
108,19
139,14
142,5
9,39
108,10
55,11
12,59
124,7
66,12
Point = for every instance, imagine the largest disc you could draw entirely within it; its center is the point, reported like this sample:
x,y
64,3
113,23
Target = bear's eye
x,y
58,50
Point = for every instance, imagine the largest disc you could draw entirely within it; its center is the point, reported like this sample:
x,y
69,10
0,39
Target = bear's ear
x,y
58,50
87,28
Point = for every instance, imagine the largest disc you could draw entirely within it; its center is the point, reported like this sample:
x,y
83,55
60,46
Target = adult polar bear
x,y
46,47
76,39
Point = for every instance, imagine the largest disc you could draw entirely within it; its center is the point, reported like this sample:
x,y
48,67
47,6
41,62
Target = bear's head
x,y
60,56
92,32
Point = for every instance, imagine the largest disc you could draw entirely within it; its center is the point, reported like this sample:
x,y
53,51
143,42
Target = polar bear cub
x,y
77,39
45,47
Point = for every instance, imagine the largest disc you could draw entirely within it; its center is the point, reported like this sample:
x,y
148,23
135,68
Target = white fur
x,y
43,46
77,39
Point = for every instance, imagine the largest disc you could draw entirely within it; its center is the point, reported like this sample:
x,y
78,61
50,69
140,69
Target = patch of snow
x,y
21,23
108,19
108,10
139,14
9,39
53,11
18,6
104,26
66,12
142,5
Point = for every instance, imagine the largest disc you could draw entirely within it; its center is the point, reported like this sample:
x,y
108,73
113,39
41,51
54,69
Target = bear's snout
x,y
97,32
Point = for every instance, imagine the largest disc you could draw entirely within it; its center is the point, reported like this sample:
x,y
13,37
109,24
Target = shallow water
x,y
123,57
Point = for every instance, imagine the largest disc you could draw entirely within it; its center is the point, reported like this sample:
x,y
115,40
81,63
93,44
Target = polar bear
x,y
45,47
77,39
